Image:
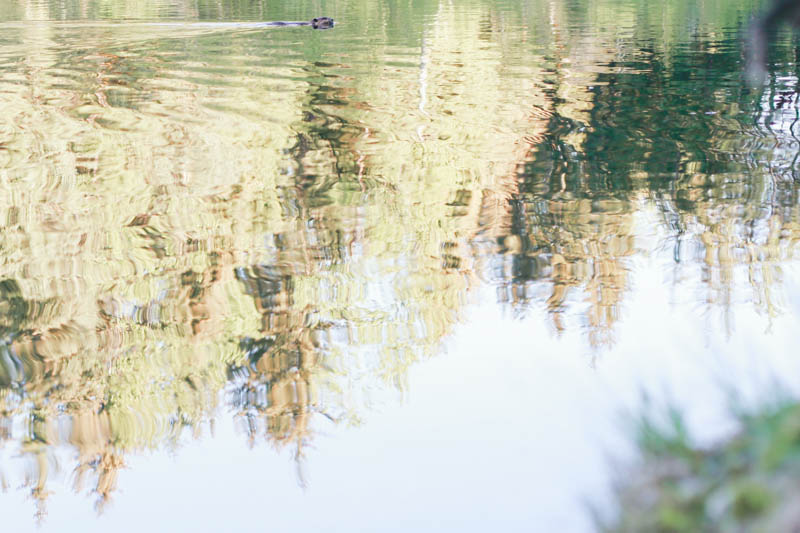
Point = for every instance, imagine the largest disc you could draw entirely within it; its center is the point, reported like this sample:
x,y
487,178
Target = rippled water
x,y
432,251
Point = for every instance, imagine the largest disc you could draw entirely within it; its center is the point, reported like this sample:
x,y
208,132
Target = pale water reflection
x,y
427,256
509,426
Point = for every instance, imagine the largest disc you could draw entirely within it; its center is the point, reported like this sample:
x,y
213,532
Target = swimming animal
x,y
317,23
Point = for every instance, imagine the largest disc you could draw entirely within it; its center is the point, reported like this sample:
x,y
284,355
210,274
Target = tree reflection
x,y
297,233
662,128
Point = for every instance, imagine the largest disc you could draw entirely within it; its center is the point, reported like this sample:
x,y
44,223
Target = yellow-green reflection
x,y
288,220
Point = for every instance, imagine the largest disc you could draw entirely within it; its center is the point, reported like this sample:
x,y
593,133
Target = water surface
x,y
403,273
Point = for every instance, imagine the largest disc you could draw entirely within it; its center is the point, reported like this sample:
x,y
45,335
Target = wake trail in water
x,y
147,25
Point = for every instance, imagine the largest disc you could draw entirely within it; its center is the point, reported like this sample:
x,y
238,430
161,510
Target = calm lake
x,y
416,272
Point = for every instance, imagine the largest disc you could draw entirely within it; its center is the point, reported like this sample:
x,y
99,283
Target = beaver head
x,y
322,23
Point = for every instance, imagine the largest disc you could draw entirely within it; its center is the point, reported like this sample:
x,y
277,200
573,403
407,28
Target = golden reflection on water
x,y
192,214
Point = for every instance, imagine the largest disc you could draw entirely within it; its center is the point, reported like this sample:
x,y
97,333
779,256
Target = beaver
x,y
322,23
317,23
